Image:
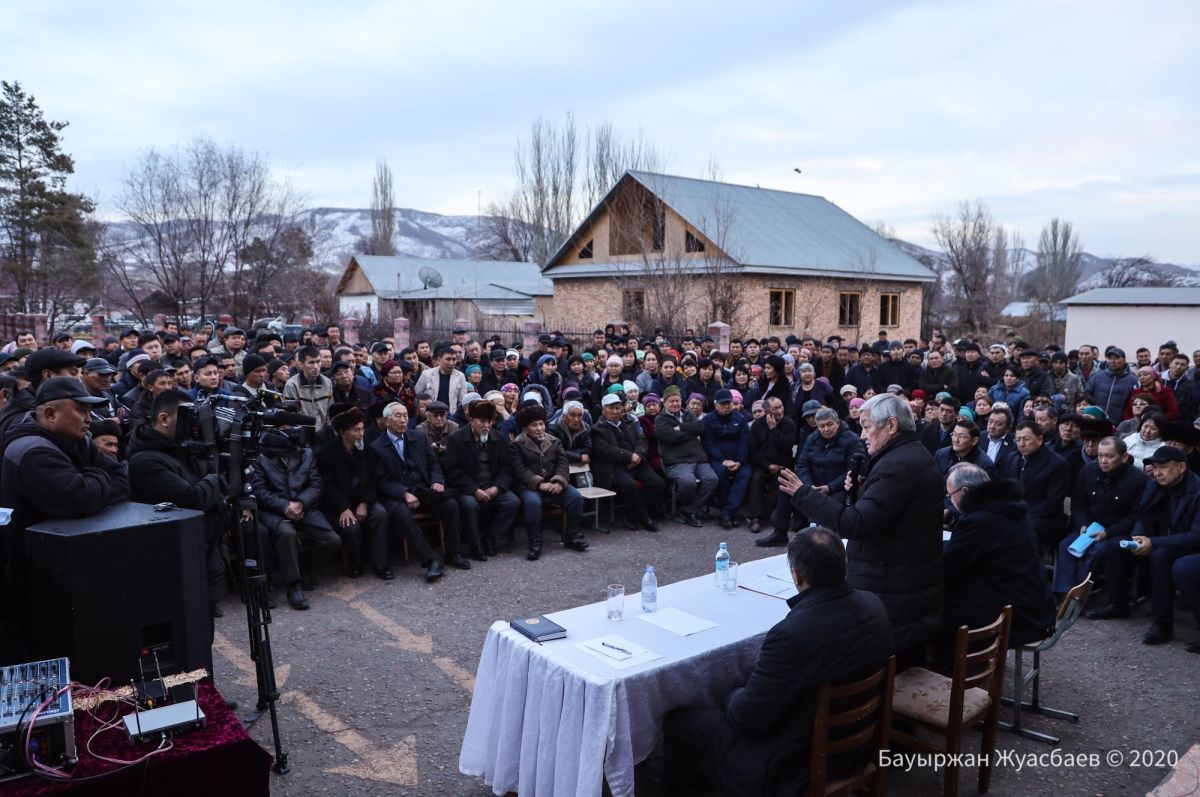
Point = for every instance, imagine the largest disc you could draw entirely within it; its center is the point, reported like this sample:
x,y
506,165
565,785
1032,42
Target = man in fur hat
x,y
478,467
540,470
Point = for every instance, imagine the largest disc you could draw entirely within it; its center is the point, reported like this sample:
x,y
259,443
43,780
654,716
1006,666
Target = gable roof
x,y
392,277
767,231
1186,297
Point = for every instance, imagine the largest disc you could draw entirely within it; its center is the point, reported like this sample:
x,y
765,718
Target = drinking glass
x,y
731,579
616,601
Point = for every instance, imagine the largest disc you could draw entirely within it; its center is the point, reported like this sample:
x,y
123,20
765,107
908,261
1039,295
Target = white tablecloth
x,y
551,719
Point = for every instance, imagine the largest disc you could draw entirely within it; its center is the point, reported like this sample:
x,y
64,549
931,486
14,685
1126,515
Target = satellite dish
x,y
430,277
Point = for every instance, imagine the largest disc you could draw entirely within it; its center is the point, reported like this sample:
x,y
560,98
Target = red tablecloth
x,y
219,758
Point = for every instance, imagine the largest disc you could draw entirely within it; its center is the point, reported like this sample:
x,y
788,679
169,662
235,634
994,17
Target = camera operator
x,y
287,484
51,470
161,469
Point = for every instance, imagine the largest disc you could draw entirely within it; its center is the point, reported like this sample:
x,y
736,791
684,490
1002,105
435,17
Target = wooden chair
x,y
428,522
1068,613
945,706
869,697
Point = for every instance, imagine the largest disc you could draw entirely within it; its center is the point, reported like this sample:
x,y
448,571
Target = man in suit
x,y
410,479
756,742
937,435
999,445
1045,479
478,466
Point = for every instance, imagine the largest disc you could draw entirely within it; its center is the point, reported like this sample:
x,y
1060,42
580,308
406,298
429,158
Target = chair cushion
x,y
925,696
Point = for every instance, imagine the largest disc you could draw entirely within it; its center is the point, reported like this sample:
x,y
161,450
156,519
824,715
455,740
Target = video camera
x,y
208,425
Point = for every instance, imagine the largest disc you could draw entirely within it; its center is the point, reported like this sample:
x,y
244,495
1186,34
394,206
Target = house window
x,y
848,309
633,304
659,233
783,307
586,252
889,309
692,243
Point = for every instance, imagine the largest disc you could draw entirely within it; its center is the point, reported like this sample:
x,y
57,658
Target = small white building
x,y
1134,317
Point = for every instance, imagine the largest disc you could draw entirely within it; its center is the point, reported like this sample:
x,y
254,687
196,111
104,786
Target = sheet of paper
x,y
675,621
770,586
616,658
946,535
783,574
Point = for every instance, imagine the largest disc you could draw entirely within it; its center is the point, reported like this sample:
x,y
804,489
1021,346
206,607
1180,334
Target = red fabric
x,y
219,758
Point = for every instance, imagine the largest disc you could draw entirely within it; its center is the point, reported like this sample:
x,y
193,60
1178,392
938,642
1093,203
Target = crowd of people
x,y
476,437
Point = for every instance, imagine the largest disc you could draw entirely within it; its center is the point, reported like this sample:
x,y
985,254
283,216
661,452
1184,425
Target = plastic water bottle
x,y
649,590
722,566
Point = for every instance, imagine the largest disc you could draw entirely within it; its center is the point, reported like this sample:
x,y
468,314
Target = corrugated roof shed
x,y
393,276
1186,297
768,231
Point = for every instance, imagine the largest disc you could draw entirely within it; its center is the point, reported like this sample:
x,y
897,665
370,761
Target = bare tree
x,y
1143,271
967,240
882,229
382,240
610,155
546,169
507,236
1060,262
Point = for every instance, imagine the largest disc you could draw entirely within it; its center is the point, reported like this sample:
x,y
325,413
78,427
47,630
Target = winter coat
x,y
945,459
1139,449
1171,515
537,461
461,462
937,380
347,479
1015,398
679,438
894,535
1038,382
613,448
1110,499
390,483
902,373
772,446
726,438
1110,390
429,380
574,444
276,481
1163,395
1045,481
824,462
315,397
993,560
1069,386
970,377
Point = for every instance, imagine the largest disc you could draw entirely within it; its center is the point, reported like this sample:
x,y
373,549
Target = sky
x,y
895,111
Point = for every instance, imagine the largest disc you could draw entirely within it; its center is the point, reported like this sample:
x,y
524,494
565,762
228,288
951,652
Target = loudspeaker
x,y
124,584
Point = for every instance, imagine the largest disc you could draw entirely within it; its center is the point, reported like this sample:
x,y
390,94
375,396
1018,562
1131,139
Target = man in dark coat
x,y
726,440
160,469
1045,480
1107,493
758,742
410,478
992,559
897,370
771,439
683,456
50,470
1167,531
619,462
936,435
41,365
893,525
478,467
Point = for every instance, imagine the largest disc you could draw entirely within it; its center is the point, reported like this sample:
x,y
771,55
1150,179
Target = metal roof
x,y
491,291
768,231
393,276
1186,297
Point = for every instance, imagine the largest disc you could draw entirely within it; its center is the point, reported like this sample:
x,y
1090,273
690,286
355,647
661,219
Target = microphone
x,y
856,465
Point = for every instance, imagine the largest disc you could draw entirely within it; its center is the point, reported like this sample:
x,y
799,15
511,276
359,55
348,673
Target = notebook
x,y
539,629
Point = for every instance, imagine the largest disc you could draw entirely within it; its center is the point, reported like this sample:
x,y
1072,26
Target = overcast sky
x,y
895,111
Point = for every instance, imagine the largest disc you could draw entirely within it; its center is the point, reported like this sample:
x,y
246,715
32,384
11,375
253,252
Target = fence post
x,y
350,330
531,331
98,332
39,327
719,331
400,331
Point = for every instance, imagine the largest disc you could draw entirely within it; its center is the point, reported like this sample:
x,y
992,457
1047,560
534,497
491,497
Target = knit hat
x,y
251,362
614,359
616,387
630,386
545,358
474,368
857,402
672,390
651,398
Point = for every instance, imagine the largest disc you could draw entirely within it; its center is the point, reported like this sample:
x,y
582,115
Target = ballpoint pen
x,y
614,647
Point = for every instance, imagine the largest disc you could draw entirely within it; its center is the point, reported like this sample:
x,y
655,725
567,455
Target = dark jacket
x,y
1110,499
1045,480
825,462
936,380
707,389
931,436
1038,383
970,377
945,459
894,535
461,462
537,461
831,634
725,438
347,479
1171,515
992,560
679,438
575,444
1110,390
21,402
897,372
390,482
357,395
772,446
863,379
613,448
162,470
276,481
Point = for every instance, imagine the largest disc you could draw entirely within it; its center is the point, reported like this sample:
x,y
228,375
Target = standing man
x,y
1110,389
1045,478
310,387
445,383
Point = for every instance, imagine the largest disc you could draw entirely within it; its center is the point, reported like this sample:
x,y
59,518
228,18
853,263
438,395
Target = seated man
x,y
287,485
540,474
964,447
1108,493
478,467
1044,478
726,441
757,742
771,439
619,452
410,478
678,432
992,559
1167,532
574,433
437,426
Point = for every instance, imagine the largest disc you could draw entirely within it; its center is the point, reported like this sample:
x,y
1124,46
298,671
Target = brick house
x,y
676,252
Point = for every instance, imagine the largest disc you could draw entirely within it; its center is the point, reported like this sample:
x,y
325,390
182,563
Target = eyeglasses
x,y
955,492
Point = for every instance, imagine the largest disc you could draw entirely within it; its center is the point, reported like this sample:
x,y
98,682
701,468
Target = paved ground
x,y
377,676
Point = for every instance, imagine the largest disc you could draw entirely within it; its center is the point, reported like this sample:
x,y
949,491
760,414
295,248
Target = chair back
x,y
979,656
1068,612
854,703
